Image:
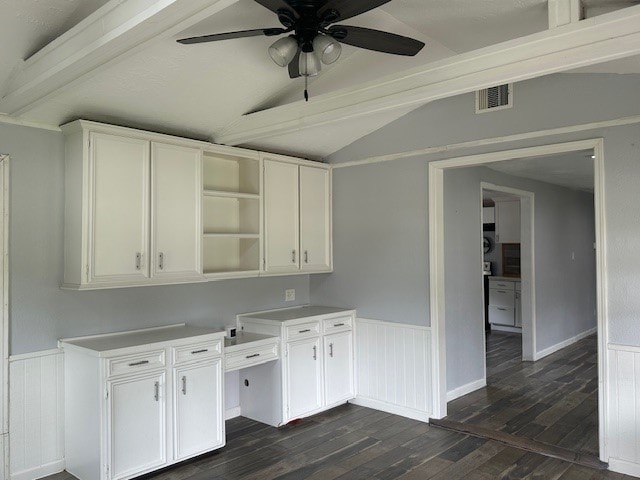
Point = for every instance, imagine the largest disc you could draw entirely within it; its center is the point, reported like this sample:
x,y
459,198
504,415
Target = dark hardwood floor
x,y
351,442
553,400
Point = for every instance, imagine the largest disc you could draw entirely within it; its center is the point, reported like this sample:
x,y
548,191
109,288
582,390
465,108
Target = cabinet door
x,y
281,216
176,192
518,314
136,424
315,226
338,367
199,423
119,219
508,221
501,315
304,378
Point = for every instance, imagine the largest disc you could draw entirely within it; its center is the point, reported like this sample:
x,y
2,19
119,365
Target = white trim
x,y
492,141
436,266
622,466
559,346
624,348
27,123
528,261
394,324
30,355
232,412
594,40
4,336
39,472
391,408
466,389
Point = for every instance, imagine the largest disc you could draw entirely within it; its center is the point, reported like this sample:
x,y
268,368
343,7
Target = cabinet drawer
x,y
338,324
197,351
501,298
502,315
136,363
501,284
250,357
303,330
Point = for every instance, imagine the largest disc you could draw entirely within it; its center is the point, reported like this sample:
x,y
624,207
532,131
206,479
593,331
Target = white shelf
x,y
231,235
226,194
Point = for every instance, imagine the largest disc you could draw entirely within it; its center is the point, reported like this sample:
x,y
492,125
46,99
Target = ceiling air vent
x,y
494,98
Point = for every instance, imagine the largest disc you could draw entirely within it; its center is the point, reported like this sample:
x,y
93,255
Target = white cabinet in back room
x,y
338,367
303,376
507,217
297,216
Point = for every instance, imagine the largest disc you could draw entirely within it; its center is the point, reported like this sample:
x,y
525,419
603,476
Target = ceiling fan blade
x,y
269,32
294,66
376,40
349,8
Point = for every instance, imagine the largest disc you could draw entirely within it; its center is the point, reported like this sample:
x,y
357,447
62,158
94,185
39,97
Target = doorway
x,y
4,323
437,267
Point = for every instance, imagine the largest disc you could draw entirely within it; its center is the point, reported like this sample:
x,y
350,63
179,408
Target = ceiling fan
x,y
313,38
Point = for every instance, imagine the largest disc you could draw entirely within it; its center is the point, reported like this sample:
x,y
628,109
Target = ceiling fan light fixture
x,y
327,48
309,65
283,50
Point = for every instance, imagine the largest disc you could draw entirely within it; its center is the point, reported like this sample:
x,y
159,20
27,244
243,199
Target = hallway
x,y
553,400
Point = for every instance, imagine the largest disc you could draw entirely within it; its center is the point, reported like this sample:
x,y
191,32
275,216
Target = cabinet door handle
x,y
137,364
331,350
501,291
293,256
195,352
315,352
502,309
304,331
156,395
306,256
138,260
161,261
253,356
184,385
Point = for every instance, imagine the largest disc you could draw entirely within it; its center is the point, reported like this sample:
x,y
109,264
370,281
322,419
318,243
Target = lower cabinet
x,y
133,410
136,413
198,416
316,371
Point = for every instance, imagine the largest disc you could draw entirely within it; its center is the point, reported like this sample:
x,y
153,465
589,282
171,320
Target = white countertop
x,y
100,344
297,312
243,339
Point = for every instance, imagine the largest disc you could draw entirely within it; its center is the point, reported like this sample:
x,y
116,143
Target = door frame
x,y
4,328
527,259
437,270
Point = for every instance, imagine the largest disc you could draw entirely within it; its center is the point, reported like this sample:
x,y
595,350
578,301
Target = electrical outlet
x,y
290,295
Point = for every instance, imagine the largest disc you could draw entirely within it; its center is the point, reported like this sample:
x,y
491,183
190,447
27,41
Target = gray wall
x,y
554,101
41,313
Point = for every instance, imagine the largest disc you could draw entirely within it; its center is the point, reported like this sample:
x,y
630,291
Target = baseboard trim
x,y
39,472
232,413
465,389
559,346
391,408
625,467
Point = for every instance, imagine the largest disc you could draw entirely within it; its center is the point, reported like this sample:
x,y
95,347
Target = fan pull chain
x,y
306,92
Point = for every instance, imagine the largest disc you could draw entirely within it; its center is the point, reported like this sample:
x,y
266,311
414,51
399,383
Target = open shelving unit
x,y
231,214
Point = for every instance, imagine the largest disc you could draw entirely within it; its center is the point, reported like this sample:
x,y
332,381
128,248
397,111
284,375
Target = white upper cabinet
x,y
119,203
315,253
281,217
297,213
507,215
176,182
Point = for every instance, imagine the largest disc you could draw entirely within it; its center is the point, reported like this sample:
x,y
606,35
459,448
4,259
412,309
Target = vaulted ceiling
x,y
118,62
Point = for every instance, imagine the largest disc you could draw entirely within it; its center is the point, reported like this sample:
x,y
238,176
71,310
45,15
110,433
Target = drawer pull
x,y
195,352
501,291
502,309
338,324
137,364
253,356
304,331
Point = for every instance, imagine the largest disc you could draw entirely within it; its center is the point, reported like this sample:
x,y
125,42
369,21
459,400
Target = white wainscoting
x,y
624,409
36,414
393,368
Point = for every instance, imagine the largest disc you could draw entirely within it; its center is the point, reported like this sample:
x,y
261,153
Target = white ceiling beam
x,y
118,29
594,40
